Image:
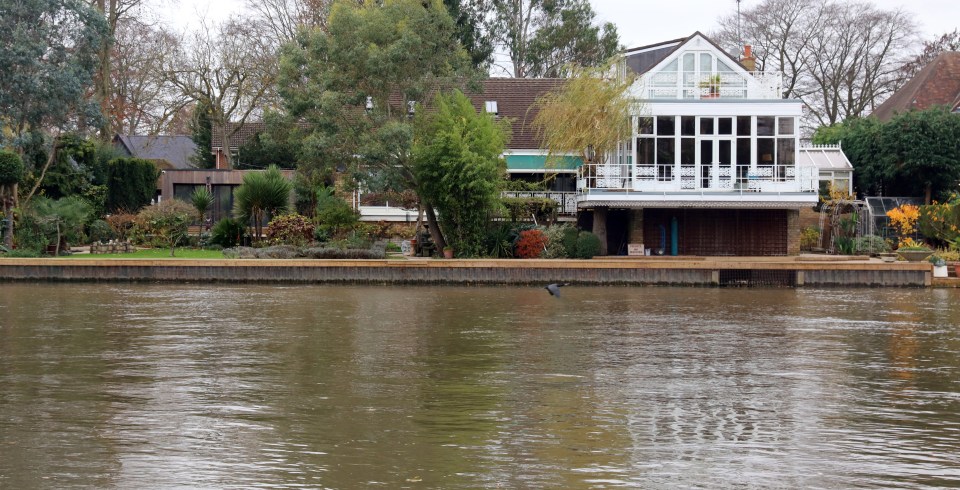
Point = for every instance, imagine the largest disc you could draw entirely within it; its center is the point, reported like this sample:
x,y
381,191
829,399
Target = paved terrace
x,y
805,270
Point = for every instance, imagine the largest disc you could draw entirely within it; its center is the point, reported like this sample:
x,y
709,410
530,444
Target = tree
x,y
915,153
168,220
201,199
11,173
353,85
541,37
231,72
131,183
469,18
201,132
48,51
60,219
839,56
262,194
459,168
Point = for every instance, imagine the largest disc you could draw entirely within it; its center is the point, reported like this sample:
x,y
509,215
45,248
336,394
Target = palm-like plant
x,y
61,218
201,199
262,193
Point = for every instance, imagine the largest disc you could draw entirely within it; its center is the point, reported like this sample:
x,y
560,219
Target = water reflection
x,y
454,387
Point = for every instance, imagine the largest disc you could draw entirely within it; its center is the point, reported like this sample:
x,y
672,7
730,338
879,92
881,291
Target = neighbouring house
x,y
240,134
937,84
166,152
712,167
180,184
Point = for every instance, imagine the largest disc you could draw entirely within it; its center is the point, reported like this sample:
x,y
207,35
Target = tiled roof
x,y
247,131
938,83
166,151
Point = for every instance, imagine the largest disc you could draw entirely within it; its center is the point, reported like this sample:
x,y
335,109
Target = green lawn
x,y
157,253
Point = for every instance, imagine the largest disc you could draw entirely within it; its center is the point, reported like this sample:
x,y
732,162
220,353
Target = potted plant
x,y
912,251
712,84
939,265
448,252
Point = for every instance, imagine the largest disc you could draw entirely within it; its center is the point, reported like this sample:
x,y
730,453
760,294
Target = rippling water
x,y
159,386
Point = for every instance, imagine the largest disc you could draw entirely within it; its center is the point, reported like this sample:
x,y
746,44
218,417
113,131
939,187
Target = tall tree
x,y
49,54
839,56
472,29
231,71
458,165
201,132
354,85
541,37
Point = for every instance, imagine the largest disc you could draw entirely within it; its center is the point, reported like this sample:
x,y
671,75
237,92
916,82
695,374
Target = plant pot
x,y
940,271
956,269
914,255
888,257
448,253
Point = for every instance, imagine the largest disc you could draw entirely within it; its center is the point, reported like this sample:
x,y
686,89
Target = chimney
x,y
748,61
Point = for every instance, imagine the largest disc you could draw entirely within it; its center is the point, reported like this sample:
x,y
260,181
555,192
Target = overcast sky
x,y
641,22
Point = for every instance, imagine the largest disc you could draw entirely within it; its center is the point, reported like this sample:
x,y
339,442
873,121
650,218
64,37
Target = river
x,y
243,386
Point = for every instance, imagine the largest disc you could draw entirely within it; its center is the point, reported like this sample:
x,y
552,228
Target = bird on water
x,y
554,289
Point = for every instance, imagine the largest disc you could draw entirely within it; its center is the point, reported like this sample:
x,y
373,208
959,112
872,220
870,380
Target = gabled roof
x,y
938,83
245,132
644,58
823,157
172,152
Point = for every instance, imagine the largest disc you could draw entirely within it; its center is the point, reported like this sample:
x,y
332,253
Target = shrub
x,y
227,233
871,244
278,252
530,244
168,221
809,238
260,195
11,168
499,241
588,245
570,235
338,253
290,229
100,231
131,183
556,245
122,223
334,215
524,208
392,247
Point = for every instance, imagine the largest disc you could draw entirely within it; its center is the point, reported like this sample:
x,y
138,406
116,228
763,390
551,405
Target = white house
x,y
712,165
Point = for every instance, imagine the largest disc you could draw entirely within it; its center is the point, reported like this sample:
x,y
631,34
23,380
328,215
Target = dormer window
x,y
491,107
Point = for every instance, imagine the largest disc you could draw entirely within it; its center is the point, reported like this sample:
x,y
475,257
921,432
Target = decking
x,y
803,271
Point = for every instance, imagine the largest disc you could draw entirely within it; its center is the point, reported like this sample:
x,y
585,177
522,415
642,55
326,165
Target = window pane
x,y
688,125
706,125
706,153
725,125
645,125
688,61
688,148
706,63
645,151
765,126
743,126
726,149
743,151
765,151
786,151
786,126
665,151
665,126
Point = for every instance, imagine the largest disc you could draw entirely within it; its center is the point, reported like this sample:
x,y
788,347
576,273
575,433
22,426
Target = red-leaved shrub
x,y
530,244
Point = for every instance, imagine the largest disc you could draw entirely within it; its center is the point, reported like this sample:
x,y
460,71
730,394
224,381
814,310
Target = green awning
x,y
538,163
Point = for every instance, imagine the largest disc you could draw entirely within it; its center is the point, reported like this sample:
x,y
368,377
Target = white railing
x,y
691,85
566,201
626,178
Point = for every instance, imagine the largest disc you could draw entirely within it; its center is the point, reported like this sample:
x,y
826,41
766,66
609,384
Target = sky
x,y
639,22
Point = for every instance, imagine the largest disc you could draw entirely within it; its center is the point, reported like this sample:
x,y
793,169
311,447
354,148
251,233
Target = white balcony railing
x,y
693,85
626,178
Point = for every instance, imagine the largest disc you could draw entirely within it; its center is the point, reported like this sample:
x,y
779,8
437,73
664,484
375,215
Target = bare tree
x,y
839,56
281,19
140,100
232,69
931,49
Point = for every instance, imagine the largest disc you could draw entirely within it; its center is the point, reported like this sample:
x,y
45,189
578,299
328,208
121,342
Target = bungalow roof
x,y
938,83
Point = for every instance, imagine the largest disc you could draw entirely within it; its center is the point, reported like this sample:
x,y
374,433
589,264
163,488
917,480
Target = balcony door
x,y
716,162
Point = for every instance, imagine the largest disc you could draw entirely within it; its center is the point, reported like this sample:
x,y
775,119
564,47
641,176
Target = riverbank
x,y
804,270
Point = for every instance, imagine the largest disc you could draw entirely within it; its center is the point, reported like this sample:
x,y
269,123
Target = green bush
x,y
100,231
570,235
588,245
871,244
498,241
556,243
11,168
227,233
525,208
131,183
809,238
290,229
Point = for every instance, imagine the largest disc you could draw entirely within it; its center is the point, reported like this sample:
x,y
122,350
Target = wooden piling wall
x,y
691,272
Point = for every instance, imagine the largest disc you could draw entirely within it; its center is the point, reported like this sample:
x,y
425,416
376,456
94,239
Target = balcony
x,y
697,186
566,201
694,85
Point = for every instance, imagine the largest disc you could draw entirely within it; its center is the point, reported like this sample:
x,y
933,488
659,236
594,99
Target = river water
x,y
161,386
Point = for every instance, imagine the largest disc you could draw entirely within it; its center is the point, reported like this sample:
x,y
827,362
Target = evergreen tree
x,y
201,132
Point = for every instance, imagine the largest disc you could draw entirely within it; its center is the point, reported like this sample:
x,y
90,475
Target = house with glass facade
x,y
712,166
